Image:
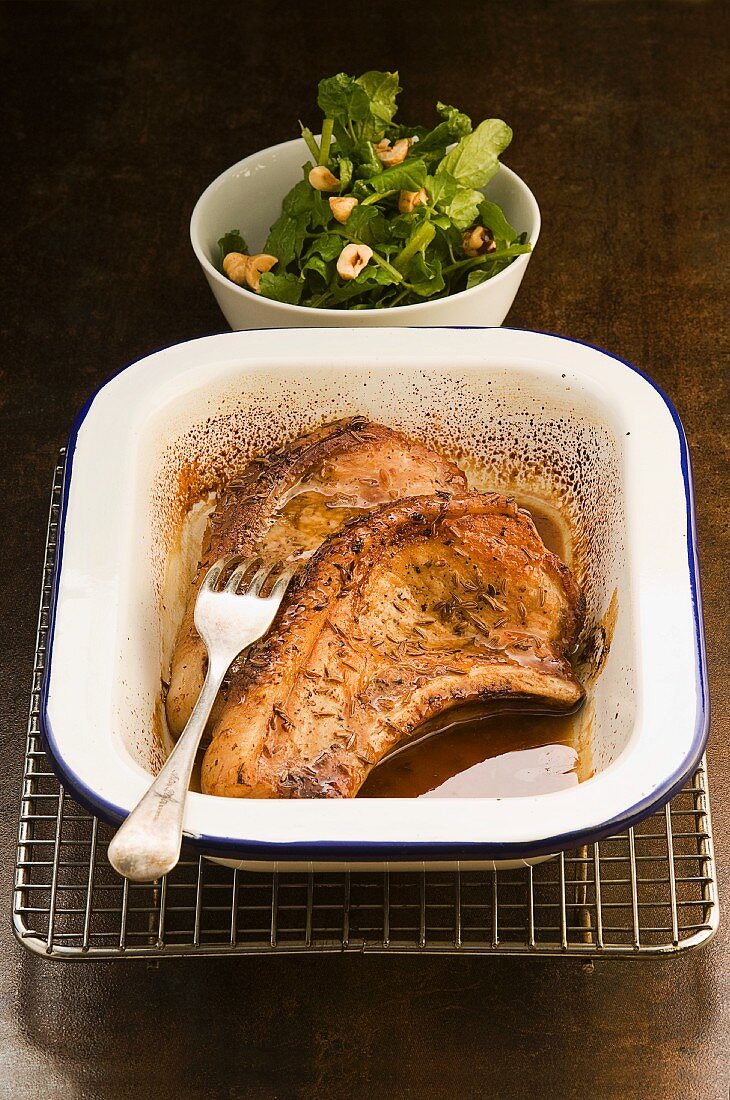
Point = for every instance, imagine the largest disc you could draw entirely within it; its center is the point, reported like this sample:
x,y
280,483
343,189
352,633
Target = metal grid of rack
x,y
648,891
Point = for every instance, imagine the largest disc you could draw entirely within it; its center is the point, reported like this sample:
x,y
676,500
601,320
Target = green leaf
x,y
459,122
319,210
232,241
303,209
372,277
421,238
464,207
286,237
345,168
357,225
382,90
425,277
459,203
367,164
492,218
345,143
299,199
475,278
318,266
455,126
342,98
327,245
474,160
408,176
367,171
281,288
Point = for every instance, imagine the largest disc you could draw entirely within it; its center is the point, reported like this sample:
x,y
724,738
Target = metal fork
x,y
147,845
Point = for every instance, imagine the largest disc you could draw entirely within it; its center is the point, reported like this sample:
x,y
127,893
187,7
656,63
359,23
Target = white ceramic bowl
x,y
550,417
248,197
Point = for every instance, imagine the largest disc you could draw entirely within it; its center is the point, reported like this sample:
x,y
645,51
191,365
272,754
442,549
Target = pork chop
x,y
405,612
286,503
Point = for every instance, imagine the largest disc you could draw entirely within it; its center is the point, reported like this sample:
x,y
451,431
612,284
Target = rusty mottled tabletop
x,y
114,118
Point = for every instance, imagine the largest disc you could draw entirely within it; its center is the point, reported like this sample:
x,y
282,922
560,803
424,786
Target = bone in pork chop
x,y
406,611
286,503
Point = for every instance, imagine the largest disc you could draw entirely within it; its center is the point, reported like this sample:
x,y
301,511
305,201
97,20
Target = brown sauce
x,y
550,527
195,783
500,756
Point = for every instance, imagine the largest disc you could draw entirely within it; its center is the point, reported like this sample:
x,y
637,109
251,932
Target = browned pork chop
x,y
286,503
407,611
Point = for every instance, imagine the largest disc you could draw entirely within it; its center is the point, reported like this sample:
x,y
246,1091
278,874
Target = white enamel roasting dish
x,y
544,415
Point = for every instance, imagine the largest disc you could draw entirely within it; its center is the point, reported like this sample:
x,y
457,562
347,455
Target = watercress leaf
x,y
475,278
344,143
459,122
303,208
281,288
345,167
371,278
463,208
455,126
459,203
327,245
400,229
319,212
232,241
318,266
365,154
403,129
492,217
367,171
357,225
448,242
379,232
342,98
441,188
300,198
408,176
425,276
285,238
420,239
474,160
367,163
382,90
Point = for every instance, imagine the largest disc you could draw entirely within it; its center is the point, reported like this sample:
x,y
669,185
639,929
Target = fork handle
x,y
147,845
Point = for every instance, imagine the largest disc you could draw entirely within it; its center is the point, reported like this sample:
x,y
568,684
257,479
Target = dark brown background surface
x,y
114,119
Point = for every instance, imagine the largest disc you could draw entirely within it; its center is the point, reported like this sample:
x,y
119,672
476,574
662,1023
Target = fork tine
x,y
277,592
211,578
258,581
234,581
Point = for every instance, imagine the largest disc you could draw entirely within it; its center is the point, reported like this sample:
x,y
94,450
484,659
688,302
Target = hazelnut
x,y
477,241
342,206
389,155
247,270
352,260
322,179
409,200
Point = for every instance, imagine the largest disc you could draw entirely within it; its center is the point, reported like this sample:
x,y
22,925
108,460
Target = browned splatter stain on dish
x,y
595,649
159,733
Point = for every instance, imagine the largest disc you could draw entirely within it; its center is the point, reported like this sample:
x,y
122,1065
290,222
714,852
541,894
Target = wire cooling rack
x,y
648,891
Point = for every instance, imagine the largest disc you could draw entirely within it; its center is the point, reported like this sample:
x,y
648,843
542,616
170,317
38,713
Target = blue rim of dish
x,y
392,851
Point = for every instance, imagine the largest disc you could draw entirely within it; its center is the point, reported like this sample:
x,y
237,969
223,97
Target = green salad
x,y
386,214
